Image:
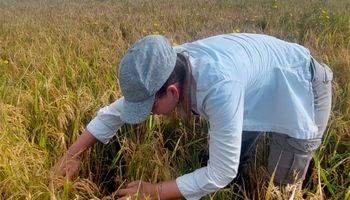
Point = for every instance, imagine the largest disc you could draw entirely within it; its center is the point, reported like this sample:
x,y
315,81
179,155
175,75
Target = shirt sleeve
x,y
223,107
107,121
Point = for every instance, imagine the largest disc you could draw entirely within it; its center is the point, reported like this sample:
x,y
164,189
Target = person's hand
x,y
138,190
67,166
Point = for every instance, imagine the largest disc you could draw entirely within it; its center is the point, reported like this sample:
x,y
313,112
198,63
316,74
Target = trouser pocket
x,y
289,158
278,165
297,170
288,167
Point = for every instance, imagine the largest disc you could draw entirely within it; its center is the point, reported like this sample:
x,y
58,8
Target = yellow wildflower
x,y
236,30
155,32
155,24
6,62
324,15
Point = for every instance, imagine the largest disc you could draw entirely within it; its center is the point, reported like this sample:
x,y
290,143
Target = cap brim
x,y
136,112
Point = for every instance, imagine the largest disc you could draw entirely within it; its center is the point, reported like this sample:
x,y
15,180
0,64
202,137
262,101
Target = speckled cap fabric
x,y
142,72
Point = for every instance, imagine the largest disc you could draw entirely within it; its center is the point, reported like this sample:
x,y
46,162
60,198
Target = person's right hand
x,y
67,166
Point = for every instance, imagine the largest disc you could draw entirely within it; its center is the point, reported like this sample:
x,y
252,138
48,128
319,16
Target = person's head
x,y
151,76
172,91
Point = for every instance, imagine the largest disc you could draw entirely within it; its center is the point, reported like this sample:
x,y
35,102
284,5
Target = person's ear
x,y
173,89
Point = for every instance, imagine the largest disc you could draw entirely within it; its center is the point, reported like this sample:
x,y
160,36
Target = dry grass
x,y
58,64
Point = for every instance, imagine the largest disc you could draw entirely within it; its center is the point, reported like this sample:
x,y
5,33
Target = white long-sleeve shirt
x,y
240,82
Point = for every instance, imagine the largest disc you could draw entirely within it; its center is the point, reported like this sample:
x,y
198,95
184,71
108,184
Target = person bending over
x,y
242,83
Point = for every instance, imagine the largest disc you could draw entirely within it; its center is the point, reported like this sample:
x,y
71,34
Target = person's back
x,y
275,75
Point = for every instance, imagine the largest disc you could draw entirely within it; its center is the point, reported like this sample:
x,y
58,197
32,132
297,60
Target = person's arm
x,y
168,190
102,128
223,107
69,164
162,190
84,141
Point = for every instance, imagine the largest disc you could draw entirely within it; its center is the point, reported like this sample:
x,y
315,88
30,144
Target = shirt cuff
x,y
188,185
99,130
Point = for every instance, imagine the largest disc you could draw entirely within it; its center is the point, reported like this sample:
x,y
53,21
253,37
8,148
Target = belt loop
x,y
328,74
312,69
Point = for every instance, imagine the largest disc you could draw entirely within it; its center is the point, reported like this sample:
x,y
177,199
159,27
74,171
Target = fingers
x,y
131,189
58,170
125,192
66,167
134,183
72,169
124,198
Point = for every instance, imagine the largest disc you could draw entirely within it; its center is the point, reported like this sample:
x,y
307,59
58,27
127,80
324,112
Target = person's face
x,y
166,104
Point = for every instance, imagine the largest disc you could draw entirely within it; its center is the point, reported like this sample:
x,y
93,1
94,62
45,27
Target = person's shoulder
x,y
207,72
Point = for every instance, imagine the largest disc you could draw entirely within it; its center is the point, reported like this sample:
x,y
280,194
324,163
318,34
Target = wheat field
x,y
58,66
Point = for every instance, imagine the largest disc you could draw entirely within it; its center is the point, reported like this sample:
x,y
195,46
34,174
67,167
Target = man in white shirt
x,y
242,84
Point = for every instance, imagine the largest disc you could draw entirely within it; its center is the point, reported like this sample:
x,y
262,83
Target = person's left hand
x,y
138,190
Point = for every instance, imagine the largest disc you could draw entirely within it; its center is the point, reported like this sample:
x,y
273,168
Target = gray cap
x,y
142,72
